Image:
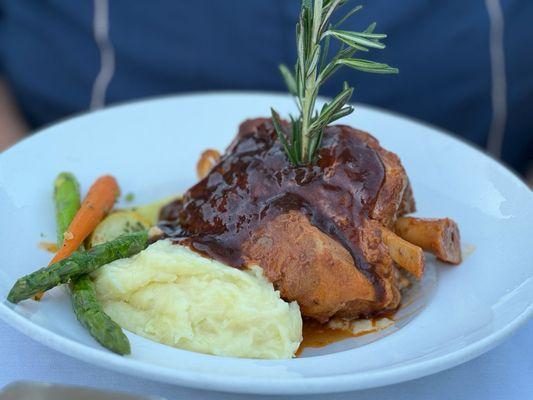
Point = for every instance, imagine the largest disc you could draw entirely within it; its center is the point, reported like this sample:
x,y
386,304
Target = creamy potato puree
x,y
174,296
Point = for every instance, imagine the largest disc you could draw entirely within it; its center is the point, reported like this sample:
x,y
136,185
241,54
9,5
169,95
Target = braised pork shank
x,y
322,233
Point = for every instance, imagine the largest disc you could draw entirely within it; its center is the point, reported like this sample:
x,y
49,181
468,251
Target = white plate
x,y
152,148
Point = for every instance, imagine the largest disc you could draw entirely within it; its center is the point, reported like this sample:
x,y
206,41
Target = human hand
x,y
12,124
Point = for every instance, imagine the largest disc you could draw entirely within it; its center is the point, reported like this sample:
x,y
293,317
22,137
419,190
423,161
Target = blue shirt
x,y
50,56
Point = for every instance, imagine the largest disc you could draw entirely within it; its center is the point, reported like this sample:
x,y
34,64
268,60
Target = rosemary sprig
x,y
313,67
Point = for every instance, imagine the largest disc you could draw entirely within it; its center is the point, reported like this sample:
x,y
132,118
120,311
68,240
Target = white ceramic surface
x,y
152,147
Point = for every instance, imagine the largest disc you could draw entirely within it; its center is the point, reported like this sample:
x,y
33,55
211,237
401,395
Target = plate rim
x,y
248,385
240,384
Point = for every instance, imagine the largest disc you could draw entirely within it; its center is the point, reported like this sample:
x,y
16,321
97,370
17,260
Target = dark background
x,y
49,57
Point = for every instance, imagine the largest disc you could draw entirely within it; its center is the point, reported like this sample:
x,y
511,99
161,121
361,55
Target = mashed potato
x,y
174,296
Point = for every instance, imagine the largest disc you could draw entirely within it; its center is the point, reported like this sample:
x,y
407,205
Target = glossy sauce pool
x,y
316,334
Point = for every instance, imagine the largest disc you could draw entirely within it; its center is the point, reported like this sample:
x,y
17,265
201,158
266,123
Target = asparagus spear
x,y
83,294
79,263
67,201
91,315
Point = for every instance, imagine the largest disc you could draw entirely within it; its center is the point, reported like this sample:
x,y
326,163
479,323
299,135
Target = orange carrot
x,y
99,201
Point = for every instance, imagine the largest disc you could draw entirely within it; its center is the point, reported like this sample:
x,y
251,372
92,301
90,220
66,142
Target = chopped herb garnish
x,y
129,197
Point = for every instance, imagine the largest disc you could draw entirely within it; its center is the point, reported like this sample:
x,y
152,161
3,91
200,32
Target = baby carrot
x,y
99,201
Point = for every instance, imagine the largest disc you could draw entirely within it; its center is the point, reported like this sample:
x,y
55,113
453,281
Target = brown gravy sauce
x,y
254,182
316,334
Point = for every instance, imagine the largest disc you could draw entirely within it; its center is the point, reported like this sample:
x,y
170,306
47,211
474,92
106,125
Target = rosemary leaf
x,y
348,15
341,113
367,66
281,135
290,82
356,39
